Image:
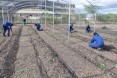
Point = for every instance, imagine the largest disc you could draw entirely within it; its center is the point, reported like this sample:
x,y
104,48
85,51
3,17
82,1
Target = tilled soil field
x,y
109,51
36,59
8,50
29,53
91,55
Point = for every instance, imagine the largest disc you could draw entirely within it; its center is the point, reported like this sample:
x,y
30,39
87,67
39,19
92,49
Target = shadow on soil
x,y
108,47
9,59
41,30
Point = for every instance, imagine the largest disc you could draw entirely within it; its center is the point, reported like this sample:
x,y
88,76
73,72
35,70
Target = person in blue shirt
x,y
97,41
7,26
24,21
70,28
38,26
88,29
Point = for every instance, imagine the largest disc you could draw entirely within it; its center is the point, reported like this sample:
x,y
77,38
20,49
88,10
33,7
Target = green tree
x,y
109,18
92,9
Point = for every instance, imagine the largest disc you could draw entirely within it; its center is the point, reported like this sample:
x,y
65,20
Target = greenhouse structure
x,y
58,39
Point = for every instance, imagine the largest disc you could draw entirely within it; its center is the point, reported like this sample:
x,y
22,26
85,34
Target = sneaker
x,y
4,34
99,49
9,34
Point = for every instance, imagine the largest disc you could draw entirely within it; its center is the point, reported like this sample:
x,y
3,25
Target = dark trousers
x,y
6,28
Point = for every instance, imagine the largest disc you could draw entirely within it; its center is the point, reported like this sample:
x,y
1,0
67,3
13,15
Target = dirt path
x,y
78,38
26,65
40,54
35,59
80,65
80,30
83,52
83,39
8,51
56,67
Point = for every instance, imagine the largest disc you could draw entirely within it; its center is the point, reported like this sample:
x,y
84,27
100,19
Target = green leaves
x,y
102,66
107,18
92,9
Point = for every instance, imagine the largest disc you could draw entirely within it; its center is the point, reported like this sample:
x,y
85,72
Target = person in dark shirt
x,y
7,26
70,28
88,29
38,26
24,21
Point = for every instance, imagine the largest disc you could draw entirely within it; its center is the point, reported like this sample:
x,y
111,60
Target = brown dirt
x,y
42,54
60,36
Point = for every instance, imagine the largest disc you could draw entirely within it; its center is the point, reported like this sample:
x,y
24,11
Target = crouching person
x,y
7,27
70,28
88,29
97,42
24,21
38,27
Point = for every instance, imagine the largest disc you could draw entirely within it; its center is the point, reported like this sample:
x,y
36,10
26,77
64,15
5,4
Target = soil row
x,y
8,51
86,53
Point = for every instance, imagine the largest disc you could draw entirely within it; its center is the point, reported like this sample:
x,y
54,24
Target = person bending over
x,y
7,26
38,26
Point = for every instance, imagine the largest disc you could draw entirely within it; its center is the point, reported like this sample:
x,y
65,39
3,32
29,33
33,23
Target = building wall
x,y
61,7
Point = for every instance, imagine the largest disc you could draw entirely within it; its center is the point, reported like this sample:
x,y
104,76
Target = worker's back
x,y
7,24
38,26
70,28
24,20
88,28
98,40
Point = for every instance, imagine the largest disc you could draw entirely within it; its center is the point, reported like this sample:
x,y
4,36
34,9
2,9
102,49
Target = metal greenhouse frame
x,y
11,6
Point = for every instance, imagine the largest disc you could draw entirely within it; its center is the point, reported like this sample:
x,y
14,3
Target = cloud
x,y
109,6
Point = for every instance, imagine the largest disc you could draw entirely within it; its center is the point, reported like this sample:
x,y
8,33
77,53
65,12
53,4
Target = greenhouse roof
x,y
15,5
109,6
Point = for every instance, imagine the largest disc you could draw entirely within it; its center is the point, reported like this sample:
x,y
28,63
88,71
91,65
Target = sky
x,y
109,6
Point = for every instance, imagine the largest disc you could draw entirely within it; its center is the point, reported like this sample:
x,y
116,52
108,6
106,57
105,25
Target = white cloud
x,y
109,5
106,4
98,2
